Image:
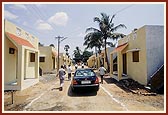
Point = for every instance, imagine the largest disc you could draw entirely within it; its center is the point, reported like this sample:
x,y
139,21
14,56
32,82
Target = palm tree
x,y
93,39
77,54
106,30
40,44
66,48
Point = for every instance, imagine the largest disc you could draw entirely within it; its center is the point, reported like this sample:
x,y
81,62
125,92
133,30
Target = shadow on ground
x,y
110,80
57,88
81,92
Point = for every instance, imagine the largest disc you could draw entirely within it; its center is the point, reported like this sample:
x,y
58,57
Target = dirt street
x,y
45,96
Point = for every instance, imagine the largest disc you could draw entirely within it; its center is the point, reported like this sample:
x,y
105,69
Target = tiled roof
x,y
120,48
19,40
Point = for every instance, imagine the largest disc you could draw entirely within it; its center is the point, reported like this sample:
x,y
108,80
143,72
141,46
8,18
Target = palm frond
x,y
92,29
110,44
118,27
112,18
87,36
115,36
96,19
105,18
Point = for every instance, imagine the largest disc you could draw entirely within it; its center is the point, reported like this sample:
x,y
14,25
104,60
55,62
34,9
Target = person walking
x,y
102,71
82,65
76,66
69,70
61,74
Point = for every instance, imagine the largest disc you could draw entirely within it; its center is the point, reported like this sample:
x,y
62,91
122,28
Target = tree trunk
x,y
106,58
99,52
96,57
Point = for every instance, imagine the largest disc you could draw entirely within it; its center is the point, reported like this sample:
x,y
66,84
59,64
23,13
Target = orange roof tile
x,y
19,41
120,47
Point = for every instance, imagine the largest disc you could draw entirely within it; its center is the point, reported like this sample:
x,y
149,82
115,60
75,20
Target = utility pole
x,y
60,39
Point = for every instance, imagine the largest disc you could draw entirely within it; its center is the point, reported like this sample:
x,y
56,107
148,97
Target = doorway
x,y
53,62
124,63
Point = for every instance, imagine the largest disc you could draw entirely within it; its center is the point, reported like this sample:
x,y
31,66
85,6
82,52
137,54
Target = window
x,y
42,59
83,73
18,31
32,57
135,56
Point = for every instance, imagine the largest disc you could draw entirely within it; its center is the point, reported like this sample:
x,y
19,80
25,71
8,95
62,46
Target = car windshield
x,y
83,73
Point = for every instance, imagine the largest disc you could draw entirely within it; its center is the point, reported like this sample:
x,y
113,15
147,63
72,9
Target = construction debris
x,y
136,88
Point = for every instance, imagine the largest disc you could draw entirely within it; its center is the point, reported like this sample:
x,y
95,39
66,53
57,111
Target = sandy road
x,y
45,96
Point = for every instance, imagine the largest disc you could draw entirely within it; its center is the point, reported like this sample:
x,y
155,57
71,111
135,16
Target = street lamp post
x,y
60,39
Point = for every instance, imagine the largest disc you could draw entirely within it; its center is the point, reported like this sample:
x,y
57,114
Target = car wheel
x,y
73,89
97,88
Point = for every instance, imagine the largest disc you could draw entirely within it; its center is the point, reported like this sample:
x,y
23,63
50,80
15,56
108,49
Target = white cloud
x,y
9,15
60,19
41,25
19,6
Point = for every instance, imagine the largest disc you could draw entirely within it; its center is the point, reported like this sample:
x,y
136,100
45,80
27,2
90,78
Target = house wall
x,y
90,61
109,50
17,66
9,62
136,70
155,48
46,51
12,28
63,59
30,66
67,60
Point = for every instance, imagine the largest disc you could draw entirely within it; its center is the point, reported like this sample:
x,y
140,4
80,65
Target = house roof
x,y
120,48
19,40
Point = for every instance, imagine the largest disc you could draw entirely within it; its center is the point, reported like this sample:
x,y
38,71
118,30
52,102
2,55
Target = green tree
x,y
77,54
52,45
93,39
86,54
40,44
106,30
66,48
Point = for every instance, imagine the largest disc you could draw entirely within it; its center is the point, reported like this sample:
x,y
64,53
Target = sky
x,y
49,20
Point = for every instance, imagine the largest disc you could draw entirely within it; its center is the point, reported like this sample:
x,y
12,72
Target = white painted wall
x,y
10,62
155,48
46,51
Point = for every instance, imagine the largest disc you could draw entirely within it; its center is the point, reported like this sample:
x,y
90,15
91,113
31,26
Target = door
x,y
53,62
125,63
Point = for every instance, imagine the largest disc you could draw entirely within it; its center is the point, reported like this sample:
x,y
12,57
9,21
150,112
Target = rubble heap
x,y
135,87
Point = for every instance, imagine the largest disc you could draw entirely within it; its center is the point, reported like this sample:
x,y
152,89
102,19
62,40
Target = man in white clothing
x,y
76,66
102,71
82,65
69,70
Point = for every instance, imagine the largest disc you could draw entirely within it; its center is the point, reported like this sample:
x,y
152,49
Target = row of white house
x,y
138,55
24,59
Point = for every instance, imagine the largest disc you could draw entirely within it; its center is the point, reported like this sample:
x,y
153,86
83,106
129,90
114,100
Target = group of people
x,y
61,73
76,65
